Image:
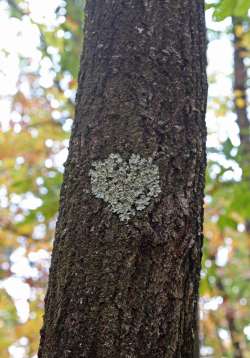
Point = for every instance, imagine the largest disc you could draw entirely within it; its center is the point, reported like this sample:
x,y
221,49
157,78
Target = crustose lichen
x,y
126,186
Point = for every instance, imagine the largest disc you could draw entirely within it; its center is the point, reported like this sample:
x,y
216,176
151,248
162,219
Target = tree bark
x,y
130,288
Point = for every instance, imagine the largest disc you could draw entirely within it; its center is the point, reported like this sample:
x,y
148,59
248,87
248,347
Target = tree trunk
x,y
240,92
240,106
125,268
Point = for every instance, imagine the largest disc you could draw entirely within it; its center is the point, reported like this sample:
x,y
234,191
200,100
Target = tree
x,y
29,167
125,268
227,213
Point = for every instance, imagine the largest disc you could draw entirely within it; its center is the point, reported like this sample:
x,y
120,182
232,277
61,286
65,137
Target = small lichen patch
x,y
126,186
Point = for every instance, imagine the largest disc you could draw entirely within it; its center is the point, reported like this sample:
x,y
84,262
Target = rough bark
x,y
130,289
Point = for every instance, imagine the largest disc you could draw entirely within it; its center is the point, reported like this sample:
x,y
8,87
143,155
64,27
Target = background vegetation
x,y
39,59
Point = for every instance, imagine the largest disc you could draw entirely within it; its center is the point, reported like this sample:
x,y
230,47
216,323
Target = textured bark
x,y
131,289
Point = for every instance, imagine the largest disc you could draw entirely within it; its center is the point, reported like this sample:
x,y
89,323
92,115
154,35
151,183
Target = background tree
x,y
228,194
33,143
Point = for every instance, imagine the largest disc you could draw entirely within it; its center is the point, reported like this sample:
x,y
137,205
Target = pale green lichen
x,y
126,186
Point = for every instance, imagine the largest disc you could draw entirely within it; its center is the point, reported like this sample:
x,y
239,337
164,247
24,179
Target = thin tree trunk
x,y
231,320
240,92
240,102
128,287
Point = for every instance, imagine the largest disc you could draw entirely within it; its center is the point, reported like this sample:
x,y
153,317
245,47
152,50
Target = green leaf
x,y
226,222
226,8
241,8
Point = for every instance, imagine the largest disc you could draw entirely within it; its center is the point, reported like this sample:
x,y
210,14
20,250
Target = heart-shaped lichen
x,y
126,186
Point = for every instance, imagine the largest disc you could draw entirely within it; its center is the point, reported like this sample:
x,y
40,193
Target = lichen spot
x,y
127,186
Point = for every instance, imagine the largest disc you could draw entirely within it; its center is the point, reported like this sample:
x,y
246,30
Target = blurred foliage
x,y
32,150
225,8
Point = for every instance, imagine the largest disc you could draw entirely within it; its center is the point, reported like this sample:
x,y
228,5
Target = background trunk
x,y
240,104
240,93
130,289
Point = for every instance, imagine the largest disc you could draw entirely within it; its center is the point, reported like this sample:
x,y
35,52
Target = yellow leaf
x,y
240,103
239,30
238,93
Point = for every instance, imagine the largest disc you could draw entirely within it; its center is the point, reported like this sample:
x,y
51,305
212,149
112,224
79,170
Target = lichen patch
x,y
127,187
